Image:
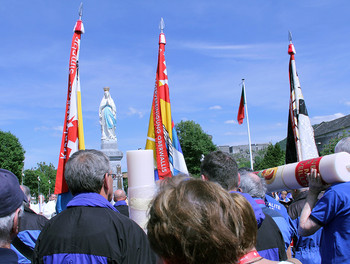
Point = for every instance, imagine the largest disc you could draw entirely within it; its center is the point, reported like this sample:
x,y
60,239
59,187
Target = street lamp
x,y
22,177
38,186
119,177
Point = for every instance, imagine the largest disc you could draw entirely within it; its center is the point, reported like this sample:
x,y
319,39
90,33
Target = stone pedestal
x,y
110,148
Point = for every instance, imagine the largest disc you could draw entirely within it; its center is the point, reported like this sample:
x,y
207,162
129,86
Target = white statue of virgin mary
x,y
107,114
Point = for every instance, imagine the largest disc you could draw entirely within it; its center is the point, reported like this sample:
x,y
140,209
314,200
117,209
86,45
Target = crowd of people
x,y
226,216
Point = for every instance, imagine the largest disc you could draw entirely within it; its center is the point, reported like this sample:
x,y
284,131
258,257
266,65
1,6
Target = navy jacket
x,y
122,207
8,256
269,242
91,230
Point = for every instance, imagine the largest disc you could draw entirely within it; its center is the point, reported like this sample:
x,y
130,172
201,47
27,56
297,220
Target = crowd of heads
x,y
190,220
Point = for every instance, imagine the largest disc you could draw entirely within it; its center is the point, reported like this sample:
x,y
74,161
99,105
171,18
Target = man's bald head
x,y
119,195
343,145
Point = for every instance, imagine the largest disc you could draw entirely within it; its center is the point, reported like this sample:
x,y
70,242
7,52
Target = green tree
x,y
11,154
273,157
126,184
41,178
329,148
241,160
194,143
259,157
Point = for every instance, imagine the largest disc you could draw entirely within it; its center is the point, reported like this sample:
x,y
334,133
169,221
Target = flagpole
x,y
81,10
250,143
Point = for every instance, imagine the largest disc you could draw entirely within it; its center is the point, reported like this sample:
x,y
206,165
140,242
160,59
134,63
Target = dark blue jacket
x,y
306,249
8,256
269,240
122,207
91,230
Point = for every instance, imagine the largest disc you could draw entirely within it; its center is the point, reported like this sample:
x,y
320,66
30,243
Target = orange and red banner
x,y
162,136
73,135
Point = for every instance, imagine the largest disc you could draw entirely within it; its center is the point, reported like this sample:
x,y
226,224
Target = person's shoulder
x,y
117,216
121,205
339,189
340,186
31,221
8,256
124,225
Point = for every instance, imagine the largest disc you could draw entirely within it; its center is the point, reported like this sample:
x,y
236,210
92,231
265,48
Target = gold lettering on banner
x,y
303,168
158,129
73,56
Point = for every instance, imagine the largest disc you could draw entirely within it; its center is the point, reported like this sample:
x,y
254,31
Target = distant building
x,y
243,150
325,131
225,148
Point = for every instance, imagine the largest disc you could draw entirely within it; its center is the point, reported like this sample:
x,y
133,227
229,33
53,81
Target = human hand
x,y
316,184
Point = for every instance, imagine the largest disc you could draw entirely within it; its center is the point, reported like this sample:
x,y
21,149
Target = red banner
x,y
70,139
161,91
303,168
240,115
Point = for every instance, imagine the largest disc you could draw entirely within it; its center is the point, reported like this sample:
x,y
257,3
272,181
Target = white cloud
x,y
230,122
319,119
134,111
212,46
215,107
243,51
235,133
209,46
58,128
45,128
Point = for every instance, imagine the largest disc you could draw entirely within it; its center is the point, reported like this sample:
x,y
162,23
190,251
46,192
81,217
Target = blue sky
x,y
211,46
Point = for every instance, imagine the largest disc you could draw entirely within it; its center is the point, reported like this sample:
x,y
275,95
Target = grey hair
x,y
343,145
26,191
6,225
254,186
85,171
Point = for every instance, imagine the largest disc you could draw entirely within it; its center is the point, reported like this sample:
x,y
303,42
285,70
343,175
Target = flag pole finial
x,y
81,10
290,36
161,25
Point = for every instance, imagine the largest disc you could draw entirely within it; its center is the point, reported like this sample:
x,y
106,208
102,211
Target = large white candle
x,y
141,184
333,168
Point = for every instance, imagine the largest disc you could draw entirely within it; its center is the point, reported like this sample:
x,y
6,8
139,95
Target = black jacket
x,y
90,230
